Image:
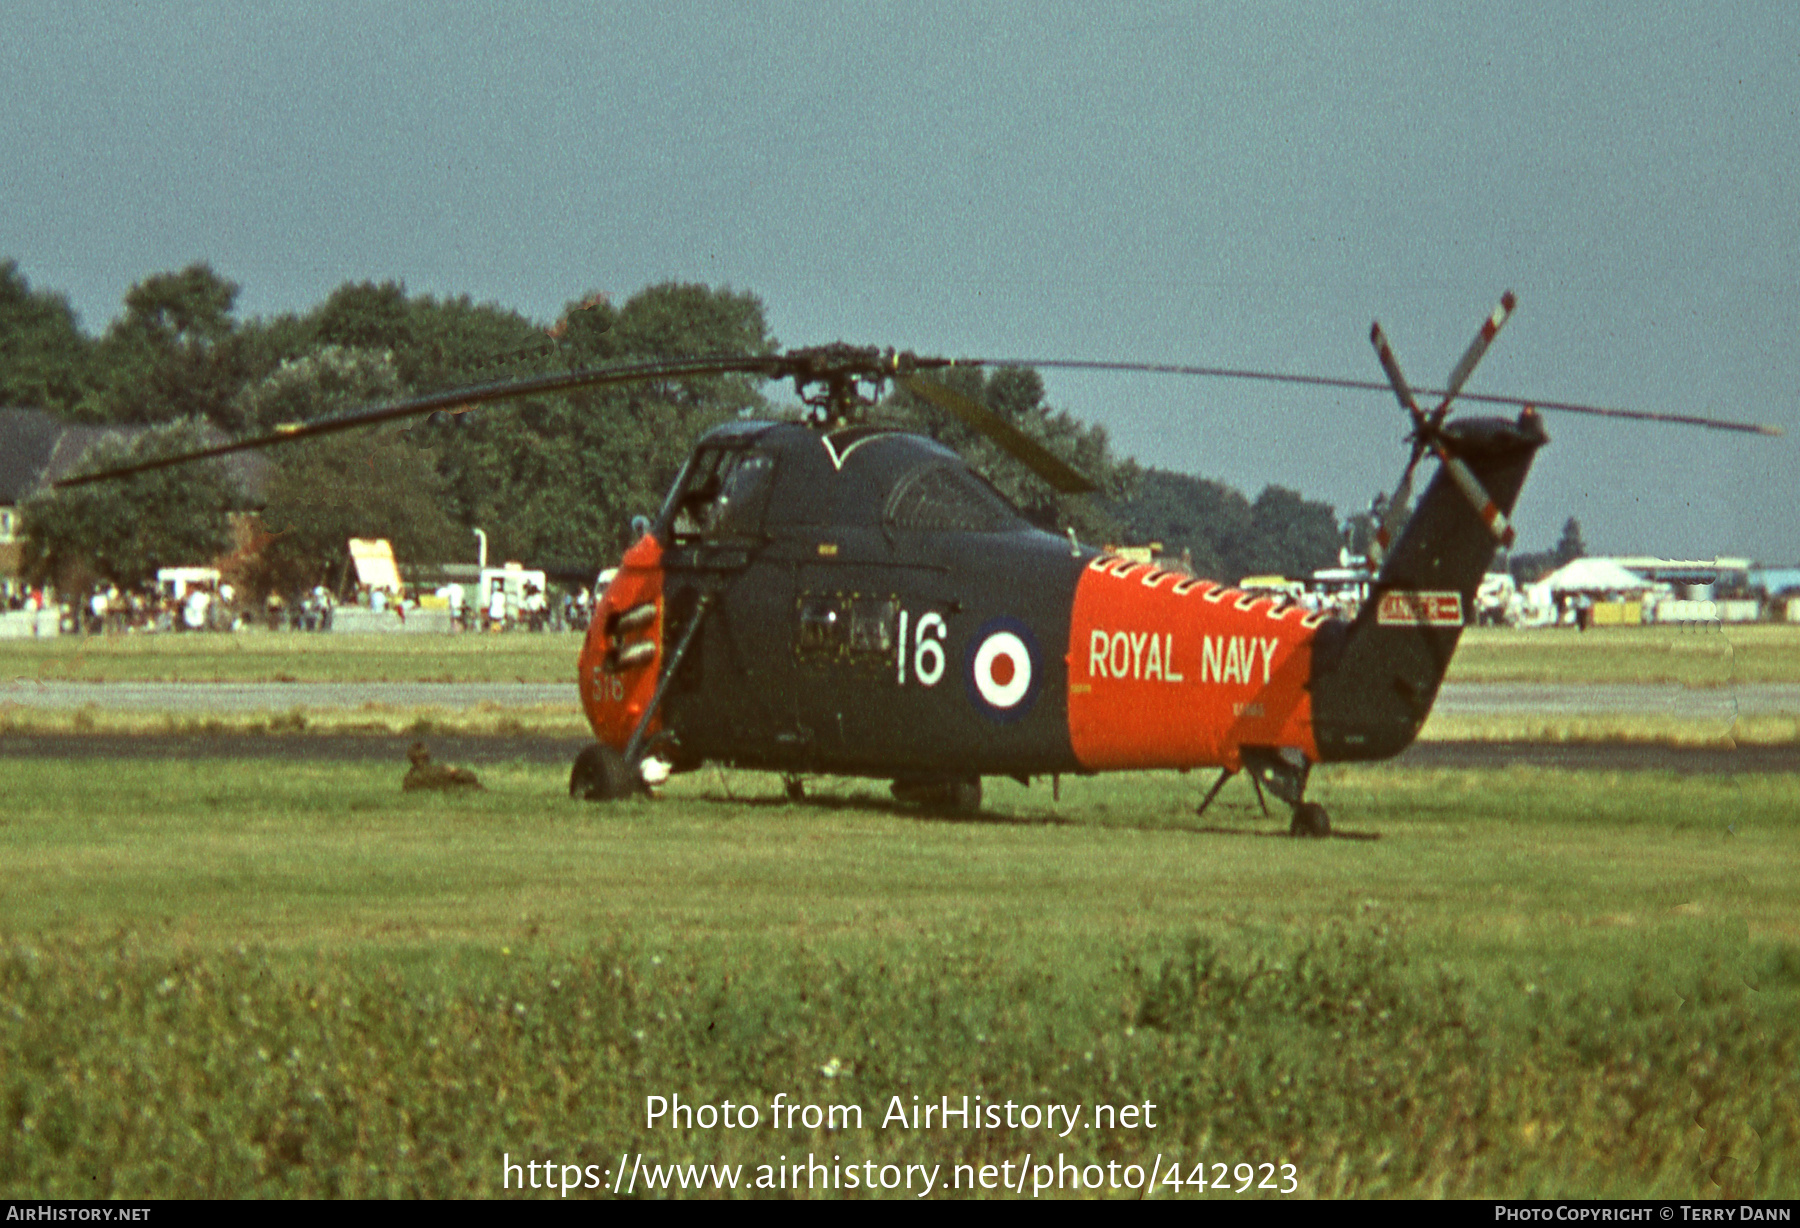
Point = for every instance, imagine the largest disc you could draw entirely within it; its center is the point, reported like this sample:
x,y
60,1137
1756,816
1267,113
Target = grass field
x,y
260,656
1699,656
1714,657
249,980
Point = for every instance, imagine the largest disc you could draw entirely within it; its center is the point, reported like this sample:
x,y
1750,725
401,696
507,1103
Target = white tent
x,y
1596,576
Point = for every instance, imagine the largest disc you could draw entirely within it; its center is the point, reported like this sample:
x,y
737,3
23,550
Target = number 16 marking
x,y
927,649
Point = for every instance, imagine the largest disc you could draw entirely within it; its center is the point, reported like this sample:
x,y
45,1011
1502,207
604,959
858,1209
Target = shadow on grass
x,y
920,814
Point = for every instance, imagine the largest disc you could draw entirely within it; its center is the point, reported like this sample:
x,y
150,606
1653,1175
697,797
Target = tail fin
x,y
1374,679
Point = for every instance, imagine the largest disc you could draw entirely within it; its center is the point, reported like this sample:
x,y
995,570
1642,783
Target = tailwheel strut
x,y
1285,775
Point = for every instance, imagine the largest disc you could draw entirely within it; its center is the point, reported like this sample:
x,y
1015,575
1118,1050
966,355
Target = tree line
x,y
553,480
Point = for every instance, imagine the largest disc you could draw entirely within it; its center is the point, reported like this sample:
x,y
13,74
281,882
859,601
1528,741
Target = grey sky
x,y
1216,184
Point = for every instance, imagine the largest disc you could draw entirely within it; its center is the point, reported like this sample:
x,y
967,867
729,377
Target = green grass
x,y
261,656
1712,657
1654,728
256,979
486,719
1699,657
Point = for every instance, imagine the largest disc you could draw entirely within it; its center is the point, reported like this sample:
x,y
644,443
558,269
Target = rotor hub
x,y
837,382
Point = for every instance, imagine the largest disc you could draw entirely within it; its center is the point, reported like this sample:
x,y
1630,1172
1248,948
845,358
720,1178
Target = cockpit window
x,y
724,495
948,497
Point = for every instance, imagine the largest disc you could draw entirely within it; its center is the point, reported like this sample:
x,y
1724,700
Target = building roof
x,y
27,440
37,448
1595,576
1686,571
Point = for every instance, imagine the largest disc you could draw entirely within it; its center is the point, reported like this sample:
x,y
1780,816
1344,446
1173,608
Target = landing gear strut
x,y
602,774
1284,777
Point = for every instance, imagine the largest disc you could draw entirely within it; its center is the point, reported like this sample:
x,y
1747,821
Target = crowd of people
x,y
208,606
146,608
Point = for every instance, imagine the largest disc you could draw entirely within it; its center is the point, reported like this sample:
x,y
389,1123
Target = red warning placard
x,y
1420,609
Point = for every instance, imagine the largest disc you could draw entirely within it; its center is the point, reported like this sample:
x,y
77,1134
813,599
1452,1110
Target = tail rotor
x,y
1428,435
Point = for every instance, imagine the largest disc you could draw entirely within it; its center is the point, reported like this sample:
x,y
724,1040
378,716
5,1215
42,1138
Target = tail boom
x,y
1375,679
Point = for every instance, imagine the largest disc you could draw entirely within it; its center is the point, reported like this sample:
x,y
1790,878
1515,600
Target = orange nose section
x,y
1169,671
623,650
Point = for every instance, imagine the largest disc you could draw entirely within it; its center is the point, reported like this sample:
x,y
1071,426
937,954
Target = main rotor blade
x,y
1063,477
819,365
506,390
1363,385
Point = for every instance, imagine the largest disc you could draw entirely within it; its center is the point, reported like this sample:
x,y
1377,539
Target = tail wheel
x,y
1310,822
601,774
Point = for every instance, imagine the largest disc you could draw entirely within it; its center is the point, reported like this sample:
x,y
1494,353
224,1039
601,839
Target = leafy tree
x,y
43,355
1290,535
558,479
324,382
458,342
1570,547
1225,535
365,316
1207,520
325,491
434,344
174,354
121,532
1528,568
366,483
265,343
1359,533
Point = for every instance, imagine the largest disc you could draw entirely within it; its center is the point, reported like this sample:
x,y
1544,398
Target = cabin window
x,y
724,495
847,628
872,622
823,627
949,498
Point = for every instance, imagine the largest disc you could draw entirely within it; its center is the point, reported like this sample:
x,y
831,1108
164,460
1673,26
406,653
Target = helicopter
x,y
834,596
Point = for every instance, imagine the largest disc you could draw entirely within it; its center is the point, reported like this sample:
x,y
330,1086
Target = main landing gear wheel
x,y
964,797
601,774
1310,822
955,797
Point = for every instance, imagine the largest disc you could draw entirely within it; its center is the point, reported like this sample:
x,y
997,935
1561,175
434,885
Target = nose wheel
x,y
601,774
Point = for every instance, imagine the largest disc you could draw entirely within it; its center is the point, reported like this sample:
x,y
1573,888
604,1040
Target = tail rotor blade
x,y
1391,365
1478,497
1489,328
1390,525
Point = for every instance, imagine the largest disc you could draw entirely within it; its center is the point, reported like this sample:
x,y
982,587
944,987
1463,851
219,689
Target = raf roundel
x,y
1001,668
